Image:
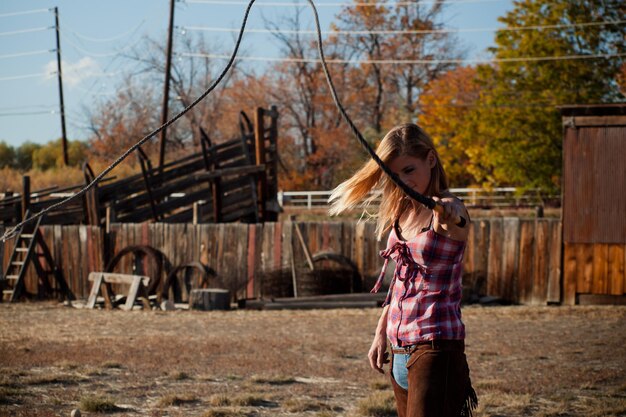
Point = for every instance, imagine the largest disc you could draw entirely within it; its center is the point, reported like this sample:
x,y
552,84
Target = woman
x,y
421,318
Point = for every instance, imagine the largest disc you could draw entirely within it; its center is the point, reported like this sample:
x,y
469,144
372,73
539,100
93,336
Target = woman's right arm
x,y
378,355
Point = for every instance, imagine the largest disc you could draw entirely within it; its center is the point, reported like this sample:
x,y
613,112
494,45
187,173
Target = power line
x,y
478,104
77,123
18,32
102,54
29,106
20,54
105,93
19,77
405,62
343,4
91,39
107,74
25,12
27,113
402,32
148,18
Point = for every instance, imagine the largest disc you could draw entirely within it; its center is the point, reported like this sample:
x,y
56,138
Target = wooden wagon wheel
x,y
356,283
158,260
172,288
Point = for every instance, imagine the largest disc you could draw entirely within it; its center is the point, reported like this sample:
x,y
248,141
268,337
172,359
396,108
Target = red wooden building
x,y
594,204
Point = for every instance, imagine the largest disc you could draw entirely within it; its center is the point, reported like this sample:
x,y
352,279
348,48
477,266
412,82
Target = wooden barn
x,y
594,204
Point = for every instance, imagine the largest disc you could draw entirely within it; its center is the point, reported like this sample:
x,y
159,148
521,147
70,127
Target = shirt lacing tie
x,y
405,262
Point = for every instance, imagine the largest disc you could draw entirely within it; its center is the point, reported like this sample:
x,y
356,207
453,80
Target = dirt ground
x,y
525,361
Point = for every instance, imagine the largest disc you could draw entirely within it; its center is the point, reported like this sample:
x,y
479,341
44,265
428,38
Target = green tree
x,y
516,116
24,155
50,155
7,155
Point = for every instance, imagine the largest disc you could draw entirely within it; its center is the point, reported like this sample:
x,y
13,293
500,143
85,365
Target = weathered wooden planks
x,y
516,259
617,270
555,262
494,266
510,258
523,259
593,269
526,263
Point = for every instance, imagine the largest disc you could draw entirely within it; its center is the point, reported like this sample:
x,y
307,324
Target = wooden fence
x,y
516,259
235,180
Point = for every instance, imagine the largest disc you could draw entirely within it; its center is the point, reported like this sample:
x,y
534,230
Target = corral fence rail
x,y
473,197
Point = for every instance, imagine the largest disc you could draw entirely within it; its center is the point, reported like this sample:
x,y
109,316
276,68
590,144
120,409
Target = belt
x,y
445,345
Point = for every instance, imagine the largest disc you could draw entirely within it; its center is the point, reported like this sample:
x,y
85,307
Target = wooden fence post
x,y
259,139
25,194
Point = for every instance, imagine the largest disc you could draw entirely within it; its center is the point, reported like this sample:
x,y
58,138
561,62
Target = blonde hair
x,y
407,139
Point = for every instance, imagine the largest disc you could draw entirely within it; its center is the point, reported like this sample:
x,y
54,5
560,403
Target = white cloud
x,y
73,73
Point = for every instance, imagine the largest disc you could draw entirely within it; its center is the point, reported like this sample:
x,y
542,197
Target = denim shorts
x,y
399,370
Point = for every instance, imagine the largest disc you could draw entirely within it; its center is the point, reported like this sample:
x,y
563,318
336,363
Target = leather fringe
x,y
471,402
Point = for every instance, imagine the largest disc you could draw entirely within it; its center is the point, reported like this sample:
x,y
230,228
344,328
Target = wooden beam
x,y
259,139
305,247
222,172
25,194
113,278
601,299
579,121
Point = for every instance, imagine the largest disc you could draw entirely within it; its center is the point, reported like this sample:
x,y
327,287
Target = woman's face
x,y
414,172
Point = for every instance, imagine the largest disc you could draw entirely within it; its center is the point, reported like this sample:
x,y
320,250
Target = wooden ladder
x,y
25,252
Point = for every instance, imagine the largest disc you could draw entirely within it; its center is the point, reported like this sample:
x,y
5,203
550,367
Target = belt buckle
x,y
403,350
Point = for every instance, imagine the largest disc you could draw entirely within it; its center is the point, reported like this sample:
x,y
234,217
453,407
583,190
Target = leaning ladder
x,y
25,252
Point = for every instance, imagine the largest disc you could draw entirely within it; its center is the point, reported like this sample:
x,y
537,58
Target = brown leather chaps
x,y
439,382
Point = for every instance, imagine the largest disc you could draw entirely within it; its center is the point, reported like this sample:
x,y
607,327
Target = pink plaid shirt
x,y
425,293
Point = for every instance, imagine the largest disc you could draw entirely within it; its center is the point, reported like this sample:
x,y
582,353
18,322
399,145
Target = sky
x,y
94,35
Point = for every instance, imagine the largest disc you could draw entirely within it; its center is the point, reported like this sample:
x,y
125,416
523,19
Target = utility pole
x,y
60,78
166,88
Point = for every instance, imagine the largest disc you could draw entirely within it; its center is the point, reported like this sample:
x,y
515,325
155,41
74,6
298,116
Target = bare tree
x,y
393,84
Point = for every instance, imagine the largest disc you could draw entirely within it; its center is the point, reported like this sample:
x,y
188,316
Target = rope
x,y
426,201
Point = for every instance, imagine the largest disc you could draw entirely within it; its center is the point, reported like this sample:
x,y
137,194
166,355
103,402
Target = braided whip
x,y
426,201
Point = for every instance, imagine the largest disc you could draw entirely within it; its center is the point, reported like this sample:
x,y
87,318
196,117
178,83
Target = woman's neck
x,y
414,220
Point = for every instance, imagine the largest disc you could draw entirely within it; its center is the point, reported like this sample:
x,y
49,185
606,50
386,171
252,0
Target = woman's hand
x,y
378,355
451,211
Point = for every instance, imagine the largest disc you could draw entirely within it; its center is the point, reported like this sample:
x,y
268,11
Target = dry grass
x,y
98,404
300,405
379,385
180,376
378,404
250,400
220,400
11,179
112,365
224,412
326,413
9,395
47,379
277,380
176,400
524,361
